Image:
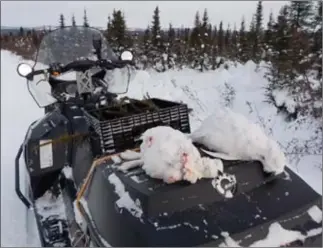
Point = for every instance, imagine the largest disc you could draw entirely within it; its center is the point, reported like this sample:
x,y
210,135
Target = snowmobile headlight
x,y
126,56
24,69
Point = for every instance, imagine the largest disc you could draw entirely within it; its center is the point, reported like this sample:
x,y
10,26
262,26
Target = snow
x,y
203,92
315,213
229,242
277,236
67,170
125,200
282,98
78,217
18,111
57,205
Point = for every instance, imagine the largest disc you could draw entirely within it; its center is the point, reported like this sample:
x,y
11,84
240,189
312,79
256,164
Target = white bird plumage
x,y
168,154
232,135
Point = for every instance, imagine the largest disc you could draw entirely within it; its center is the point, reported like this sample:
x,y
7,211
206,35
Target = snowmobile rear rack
x,y
120,133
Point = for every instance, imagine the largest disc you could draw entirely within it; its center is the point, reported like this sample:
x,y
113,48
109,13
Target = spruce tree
x,y
204,26
170,45
61,21
85,20
257,47
146,36
269,36
73,21
281,72
220,39
227,42
146,41
118,29
205,19
243,43
234,43
156,28
251,38
317,58
171,35
109,29
300,14
214,47
205,33
21,32
209,33
195,39
301,17
215,35
317,40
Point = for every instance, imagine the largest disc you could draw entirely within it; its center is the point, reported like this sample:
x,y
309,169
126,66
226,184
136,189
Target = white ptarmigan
x,y
170,155
233,136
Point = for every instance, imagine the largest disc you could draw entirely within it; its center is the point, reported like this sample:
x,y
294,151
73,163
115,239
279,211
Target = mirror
x,y
126,56
24,69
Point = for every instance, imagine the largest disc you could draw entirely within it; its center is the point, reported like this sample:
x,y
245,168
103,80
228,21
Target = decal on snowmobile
x,y
84,82
225,184
45,153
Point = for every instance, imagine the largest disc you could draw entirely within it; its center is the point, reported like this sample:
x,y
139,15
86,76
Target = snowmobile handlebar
x,y
56,69
81,65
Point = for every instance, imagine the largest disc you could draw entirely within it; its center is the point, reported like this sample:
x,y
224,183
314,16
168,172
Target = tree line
x,y
291,44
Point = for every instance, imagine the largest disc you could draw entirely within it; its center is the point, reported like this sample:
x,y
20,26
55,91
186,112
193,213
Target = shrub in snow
x,y
235,137
168,154
283,100
228,95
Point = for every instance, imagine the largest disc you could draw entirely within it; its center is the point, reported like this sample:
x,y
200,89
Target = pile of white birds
x,y
170,155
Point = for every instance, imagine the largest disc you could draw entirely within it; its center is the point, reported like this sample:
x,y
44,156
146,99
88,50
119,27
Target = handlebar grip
x,y
38,72
31,75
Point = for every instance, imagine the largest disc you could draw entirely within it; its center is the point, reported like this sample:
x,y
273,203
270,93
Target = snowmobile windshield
x,y
65,45
69,44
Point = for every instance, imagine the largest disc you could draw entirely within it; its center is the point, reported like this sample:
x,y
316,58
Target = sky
x,y
138,13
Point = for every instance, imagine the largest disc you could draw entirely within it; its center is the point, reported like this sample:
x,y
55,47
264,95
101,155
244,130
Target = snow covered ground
x,y
18,110
241,88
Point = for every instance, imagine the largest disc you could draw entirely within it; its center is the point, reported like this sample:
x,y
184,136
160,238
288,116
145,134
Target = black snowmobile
x,y
79,197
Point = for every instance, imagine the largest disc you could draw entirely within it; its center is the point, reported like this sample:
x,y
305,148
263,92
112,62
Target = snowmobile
x,y
81,199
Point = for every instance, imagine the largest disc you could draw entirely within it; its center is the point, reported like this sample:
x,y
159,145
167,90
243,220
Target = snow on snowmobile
x,y
81,199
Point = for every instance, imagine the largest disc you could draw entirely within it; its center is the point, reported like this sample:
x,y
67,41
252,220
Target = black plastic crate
x,y
120,133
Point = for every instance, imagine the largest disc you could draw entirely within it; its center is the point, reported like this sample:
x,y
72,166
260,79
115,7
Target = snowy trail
x,y
17,112
203,92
